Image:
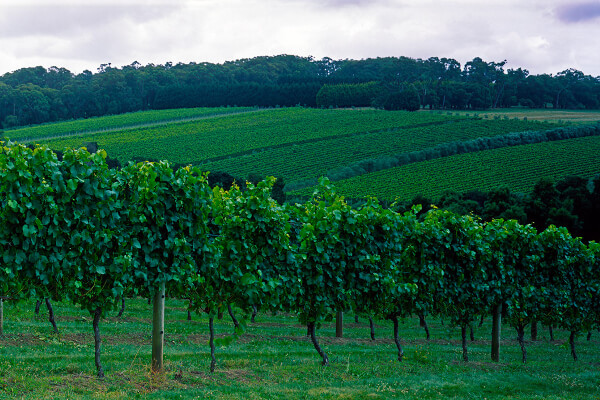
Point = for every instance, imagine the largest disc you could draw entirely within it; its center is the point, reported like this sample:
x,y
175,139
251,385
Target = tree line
x,y
77,231
36,95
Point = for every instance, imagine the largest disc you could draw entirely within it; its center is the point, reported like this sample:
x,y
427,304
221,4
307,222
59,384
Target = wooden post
x,y
158,329
339,324
496,326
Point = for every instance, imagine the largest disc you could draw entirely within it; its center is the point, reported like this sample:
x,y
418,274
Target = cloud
x,y
66,33
56,21
578,12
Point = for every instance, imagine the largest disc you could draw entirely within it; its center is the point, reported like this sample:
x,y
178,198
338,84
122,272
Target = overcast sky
x,y
543,36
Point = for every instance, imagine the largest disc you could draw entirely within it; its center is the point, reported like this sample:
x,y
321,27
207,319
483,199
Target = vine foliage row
x,y
75,230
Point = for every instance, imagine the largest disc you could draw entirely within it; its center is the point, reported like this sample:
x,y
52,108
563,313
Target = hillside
x,y
363,150
518,167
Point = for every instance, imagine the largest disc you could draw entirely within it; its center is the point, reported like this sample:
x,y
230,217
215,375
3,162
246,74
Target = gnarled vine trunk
x,y
313,338
463,330
534,330
236,324
521,339
51,315
372,326
122,310
572,343
97,342
394,319
254,312
423,324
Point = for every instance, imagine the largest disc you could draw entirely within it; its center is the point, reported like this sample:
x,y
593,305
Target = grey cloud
x,y
21,21
578,12
341,3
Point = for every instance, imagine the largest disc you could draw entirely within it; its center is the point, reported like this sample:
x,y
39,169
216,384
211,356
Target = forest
x,y
37,95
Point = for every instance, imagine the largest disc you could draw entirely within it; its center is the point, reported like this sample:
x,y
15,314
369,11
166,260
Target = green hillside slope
x,y
234,135
301,144
518,167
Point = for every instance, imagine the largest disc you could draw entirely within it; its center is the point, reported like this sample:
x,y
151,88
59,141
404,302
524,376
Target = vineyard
x,y
76,232
305,160
118,122
299,145
522,167
236,135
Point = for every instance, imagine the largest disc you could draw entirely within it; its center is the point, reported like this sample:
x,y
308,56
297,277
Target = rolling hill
x,y
368,152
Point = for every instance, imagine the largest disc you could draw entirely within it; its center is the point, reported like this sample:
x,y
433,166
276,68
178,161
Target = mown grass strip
x,y
275,360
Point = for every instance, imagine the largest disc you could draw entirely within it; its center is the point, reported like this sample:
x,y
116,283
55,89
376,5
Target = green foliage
x,y
399,99
95,219
248,247
567,280
34,244
460,250
327,246
168,219
348,94
120,122
513,270
76,229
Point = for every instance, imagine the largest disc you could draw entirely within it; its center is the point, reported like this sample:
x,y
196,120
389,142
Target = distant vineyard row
x,y
81,126
311,160
517,167
197,141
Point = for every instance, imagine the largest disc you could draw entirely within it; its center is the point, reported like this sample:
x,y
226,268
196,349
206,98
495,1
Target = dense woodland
x,y
37,95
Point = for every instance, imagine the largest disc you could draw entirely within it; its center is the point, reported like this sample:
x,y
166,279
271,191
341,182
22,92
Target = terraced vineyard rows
x,y
243,133
518,167
112,122
310,160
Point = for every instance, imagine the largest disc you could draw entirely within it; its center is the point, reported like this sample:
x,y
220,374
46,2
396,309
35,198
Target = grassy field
x,y
274,360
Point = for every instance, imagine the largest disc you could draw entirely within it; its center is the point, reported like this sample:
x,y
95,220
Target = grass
x,y
274,360
548,115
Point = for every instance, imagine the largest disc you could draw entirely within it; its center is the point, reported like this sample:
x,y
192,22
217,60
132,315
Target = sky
x,y
542,36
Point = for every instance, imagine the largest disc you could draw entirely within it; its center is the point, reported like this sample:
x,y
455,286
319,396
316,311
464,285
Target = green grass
x,y
518,168
548,115
274,360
